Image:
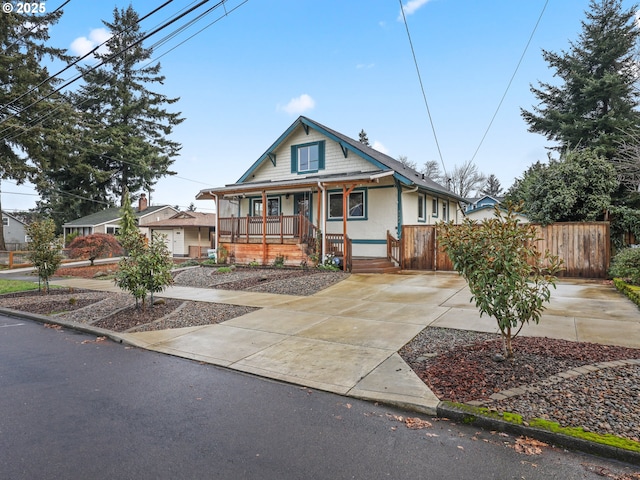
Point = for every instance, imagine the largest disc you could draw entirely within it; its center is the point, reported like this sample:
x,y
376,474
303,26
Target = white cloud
x,y
411,7
299,105
380,147
83,45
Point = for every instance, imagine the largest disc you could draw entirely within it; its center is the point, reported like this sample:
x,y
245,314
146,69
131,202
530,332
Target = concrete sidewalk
x,y
345,338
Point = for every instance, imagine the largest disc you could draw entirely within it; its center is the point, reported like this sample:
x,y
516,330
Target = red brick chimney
x,y
142,202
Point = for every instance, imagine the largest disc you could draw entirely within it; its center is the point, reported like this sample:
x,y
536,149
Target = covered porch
x,y
261,222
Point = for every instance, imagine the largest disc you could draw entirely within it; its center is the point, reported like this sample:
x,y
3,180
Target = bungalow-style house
x,y
187,234
108,220
14,232
315,187
483,207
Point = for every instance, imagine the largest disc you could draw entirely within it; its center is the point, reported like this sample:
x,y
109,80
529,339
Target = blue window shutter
x,y
294,159
321,155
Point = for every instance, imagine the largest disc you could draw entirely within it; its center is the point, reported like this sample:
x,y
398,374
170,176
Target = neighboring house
x,y
15,232
108,220
316,183
484,207
187,234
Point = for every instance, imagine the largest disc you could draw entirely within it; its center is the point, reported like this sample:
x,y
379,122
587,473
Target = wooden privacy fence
x,y
585,248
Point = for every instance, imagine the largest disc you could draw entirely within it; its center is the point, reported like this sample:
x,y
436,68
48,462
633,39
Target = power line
x,y
109,59
511,80
424,96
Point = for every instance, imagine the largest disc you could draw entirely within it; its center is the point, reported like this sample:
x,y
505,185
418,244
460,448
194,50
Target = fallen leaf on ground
x,y
52,326
528,446
415,423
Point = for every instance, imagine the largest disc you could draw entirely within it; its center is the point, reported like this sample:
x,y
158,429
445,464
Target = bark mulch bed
x,y
468,372
132,317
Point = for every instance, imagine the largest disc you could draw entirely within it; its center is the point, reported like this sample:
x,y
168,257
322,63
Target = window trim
x,y
422,203
434,207
365,200
255,200
295,162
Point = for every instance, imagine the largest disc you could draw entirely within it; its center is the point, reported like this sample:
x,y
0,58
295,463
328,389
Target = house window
x,y
355,204
308,157
5,221
434,207
113,230
273,207
445,212
422,207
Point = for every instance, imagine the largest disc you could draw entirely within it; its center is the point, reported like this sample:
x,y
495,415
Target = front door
x,y
302,204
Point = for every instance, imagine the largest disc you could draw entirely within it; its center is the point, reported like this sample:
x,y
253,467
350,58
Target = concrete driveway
x,y
345,338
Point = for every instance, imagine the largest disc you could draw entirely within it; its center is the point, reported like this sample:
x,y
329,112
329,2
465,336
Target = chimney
x,y
142,202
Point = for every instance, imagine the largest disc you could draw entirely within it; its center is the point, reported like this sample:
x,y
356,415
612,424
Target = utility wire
x,y
424,96
511,80
34,26
48,114
109,59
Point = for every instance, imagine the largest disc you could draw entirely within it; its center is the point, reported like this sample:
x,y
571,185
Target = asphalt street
x,y
76,407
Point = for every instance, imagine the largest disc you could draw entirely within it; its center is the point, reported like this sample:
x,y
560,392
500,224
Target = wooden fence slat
x,y
585,248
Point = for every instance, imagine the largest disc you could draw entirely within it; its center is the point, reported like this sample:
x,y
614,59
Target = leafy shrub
x,y
224,270
45,249
626,265
209,262
94,246
508,277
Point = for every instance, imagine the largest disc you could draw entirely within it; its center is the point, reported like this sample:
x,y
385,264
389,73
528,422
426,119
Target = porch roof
x,y
295,184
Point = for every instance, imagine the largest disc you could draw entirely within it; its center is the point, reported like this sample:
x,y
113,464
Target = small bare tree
x,y
465,178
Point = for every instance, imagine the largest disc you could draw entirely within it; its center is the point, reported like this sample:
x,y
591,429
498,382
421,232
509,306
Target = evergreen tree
x,y
126,122
32,115
596,101
577,187
492,187
363,138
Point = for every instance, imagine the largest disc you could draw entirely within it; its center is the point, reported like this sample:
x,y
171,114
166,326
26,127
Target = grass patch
x,y
578,432
471,414
11,286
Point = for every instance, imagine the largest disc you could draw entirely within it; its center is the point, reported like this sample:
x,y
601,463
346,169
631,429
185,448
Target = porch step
x,y
373,265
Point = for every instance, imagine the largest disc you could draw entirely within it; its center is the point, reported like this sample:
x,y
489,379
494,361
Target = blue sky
x,y
348,65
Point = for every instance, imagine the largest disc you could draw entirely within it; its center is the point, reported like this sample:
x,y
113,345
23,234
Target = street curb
x,y
81,327
446,410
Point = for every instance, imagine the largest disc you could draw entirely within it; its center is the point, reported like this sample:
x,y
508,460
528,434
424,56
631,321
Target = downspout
x,y
323,213
400,192
215,236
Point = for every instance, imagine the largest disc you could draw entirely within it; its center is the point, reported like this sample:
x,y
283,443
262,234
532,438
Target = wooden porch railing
x,y
278,227
336,245
394,249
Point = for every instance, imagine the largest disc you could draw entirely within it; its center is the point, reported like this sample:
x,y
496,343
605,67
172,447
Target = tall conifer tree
x,y
125,120
596,100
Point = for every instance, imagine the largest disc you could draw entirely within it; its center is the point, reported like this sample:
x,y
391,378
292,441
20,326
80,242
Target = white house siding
x,y
191,238
334,159
168,238
382,215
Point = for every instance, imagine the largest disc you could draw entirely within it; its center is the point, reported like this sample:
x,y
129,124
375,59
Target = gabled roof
x,y
383,162
6,214
186,219
109,215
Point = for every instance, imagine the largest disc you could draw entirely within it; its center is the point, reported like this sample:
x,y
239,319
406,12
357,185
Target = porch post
x,y
345,213
264,227
216,233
